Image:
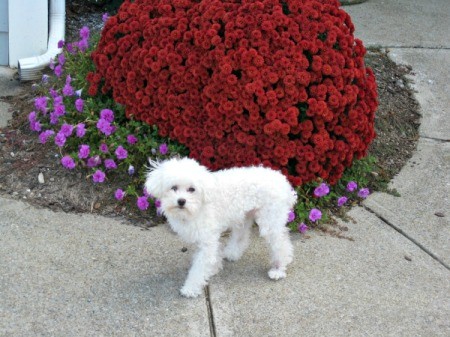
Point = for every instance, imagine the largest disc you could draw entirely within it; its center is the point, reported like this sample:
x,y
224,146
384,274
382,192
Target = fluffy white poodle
x,y
200,205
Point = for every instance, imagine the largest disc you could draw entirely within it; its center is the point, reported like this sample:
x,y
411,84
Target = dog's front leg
x,y
205,264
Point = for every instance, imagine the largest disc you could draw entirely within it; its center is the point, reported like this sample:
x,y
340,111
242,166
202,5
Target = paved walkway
x,y
83,275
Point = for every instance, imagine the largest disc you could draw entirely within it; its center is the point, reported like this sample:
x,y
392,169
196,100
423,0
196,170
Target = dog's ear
x,y
154,181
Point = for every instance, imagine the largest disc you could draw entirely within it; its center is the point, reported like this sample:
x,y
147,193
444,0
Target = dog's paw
x,y
276,274
190,292
231,254
232,257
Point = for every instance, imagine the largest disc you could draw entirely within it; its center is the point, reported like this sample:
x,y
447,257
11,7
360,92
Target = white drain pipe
x,y
30,68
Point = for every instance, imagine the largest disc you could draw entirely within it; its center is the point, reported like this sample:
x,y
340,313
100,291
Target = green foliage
x,y
362,172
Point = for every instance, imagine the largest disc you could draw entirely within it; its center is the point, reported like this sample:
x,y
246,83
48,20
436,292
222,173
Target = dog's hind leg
x,y
272,227
239,240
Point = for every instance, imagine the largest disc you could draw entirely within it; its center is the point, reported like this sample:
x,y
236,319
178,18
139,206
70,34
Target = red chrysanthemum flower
x,y
275,82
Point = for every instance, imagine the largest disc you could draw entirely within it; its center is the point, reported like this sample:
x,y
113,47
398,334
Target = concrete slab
x,y
9,86
424,186
82,275
402,23
9,82
379,285
431,81
5,114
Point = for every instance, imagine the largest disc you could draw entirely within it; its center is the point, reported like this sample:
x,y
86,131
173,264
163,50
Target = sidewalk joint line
x,y
399,230
436,139
212,325
377,46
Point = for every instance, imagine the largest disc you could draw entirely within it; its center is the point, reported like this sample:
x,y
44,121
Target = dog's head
x,y
182,185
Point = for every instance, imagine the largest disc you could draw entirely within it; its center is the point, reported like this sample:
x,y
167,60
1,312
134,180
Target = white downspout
x,y
30,68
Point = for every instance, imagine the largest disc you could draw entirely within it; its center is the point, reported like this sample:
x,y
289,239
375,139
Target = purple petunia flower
x,y
58,70
60,110
68,90
146,194
57,100
107,115
40,103
84,32
302,228
163,148
61,59
119,194
351,186
68,162
79,105
98,176
83,45
105,127
94,161
105,17
121,153
158,204
60,139
70,48
291,216
131,170
341,201
35,126
45,78
142,203
321,190
32,116
81,131
53,92
84,151
315,215
103,148
44,136
54,119
363,193
61,43
110,164
66,130
131,139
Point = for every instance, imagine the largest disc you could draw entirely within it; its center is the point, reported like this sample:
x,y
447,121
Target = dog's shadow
x,y
161,286
159,280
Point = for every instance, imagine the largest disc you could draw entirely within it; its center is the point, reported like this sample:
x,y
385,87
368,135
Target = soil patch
x,y
23,158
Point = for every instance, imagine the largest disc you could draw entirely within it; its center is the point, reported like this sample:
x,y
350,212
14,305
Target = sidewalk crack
x,y
399,230
379,46
212,326
439,140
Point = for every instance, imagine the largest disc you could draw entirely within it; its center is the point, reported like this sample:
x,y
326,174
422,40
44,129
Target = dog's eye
x,y
191,190
174,188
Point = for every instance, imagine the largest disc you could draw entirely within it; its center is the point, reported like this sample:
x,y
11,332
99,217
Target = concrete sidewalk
x,y
83,275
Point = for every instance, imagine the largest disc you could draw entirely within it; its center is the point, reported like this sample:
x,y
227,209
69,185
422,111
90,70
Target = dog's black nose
x,y
181,202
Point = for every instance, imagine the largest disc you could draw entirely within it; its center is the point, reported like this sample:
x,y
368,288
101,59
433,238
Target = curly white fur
x,y
200,205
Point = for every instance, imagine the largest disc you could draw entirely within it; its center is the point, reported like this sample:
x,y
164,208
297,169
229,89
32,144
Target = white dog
x,y
200,205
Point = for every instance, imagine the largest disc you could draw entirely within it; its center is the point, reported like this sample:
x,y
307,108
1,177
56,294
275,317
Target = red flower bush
x,y
272,82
